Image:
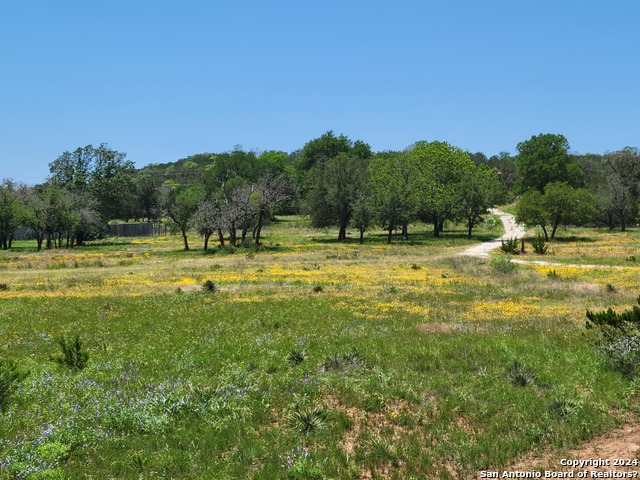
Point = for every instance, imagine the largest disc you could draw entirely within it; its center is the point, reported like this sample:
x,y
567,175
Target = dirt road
x,y
512,230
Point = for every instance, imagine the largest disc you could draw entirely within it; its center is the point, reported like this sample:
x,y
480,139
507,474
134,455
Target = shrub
x,y
73,355
503,265
619,338
4,286
415,266
539,245
317,288
511,246
10,377
210,286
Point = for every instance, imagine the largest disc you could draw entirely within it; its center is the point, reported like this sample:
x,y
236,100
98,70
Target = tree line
x,y
338,182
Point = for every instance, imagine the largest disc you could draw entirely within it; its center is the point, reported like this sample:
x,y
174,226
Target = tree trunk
x,y
232,236
553,231
546,235
470,229
342,234
436,231
39,240
258,229
184,238
206,240
221,237
389,235
405,231
244,236
361,235
80,239
623,221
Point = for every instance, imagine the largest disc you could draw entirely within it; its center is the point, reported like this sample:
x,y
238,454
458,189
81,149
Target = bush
x,y
73,355
511,246
503,265
539,245
619,338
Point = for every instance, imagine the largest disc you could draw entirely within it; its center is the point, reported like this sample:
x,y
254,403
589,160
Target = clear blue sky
x,y
161,80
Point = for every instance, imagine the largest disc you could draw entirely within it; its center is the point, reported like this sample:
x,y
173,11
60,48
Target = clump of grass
x,y
610,288
4,286
510,246
74,356
296,356
503,265
309,420
10,377
210,286
317,288
415,266
632,259
382,451
520,375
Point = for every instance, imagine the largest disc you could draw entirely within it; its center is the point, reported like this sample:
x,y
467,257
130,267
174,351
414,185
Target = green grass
x,y
407,373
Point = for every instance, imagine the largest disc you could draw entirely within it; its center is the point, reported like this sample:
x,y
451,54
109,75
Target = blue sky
x,y
161,80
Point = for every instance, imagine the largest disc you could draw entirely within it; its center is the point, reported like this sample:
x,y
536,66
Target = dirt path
x,y
512,230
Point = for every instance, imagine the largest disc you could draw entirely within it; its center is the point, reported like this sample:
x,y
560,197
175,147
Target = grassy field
x,y
311,359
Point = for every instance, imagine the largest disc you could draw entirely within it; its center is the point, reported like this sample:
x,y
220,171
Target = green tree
x,y
338,182
101,172
181,203
544,159
394,192
479,190
561,204
12,213
623,176
440,170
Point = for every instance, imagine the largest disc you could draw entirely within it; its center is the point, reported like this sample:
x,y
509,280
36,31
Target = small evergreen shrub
x,y
74,355
10,377
539,245
511,246
619,338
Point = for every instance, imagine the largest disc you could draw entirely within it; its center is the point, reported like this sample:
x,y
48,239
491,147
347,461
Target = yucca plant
x,y
210,286
539,245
